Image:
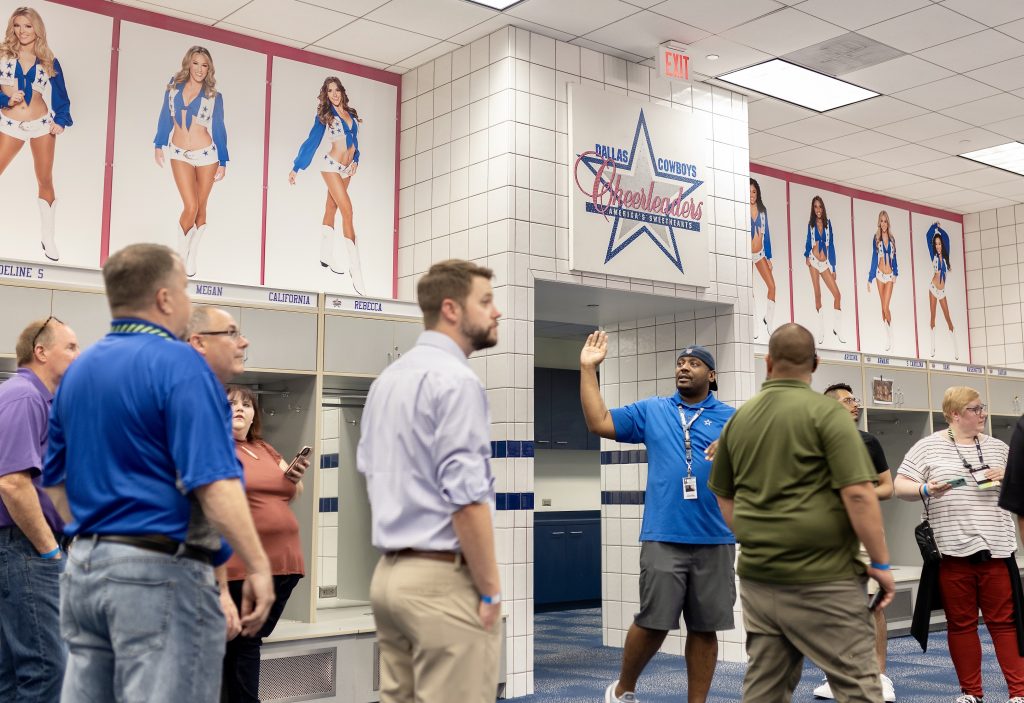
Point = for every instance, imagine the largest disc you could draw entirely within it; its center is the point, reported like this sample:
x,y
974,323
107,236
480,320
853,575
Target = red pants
x,y
965,588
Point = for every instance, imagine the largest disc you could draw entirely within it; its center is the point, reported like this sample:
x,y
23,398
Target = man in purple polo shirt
x,y
31,650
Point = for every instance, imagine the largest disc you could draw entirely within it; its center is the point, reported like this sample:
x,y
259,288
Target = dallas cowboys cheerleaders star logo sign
x,y
638,189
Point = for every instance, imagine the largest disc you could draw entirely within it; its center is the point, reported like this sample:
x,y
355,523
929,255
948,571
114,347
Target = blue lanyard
x,y
139,328
686,437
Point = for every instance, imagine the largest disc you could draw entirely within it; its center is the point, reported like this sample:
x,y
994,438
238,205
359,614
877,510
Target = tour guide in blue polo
x,y
687,552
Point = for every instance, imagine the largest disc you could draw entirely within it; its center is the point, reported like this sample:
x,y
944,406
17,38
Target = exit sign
x,y
673,63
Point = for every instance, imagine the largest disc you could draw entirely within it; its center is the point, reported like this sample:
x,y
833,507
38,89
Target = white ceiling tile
x,y
992,204
845,169
802,158
377,42
354,59
286,18
926,126
486,27
980,179
987,110
922,28
990,12
643,32
528,26
902,156
646,4
349,7
923,190
437,18
974,51
428,54
605,49
854,15
267,36
1012,128
576,17
860,143
813,130
940,168
959,198
767,113
764,144
1014,29
876,111
713,15
1013,189
886,180
946,92
897,74
967,140
206,16
1008,75
784,31
731,56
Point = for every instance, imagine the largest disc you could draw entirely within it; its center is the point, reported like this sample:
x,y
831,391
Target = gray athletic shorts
x,y
695,580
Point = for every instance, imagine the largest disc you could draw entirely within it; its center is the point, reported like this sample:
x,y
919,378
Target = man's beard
x,y
479,337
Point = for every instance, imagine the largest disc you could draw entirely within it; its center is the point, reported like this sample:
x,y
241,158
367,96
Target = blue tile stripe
x,y
503,501
328,461
622,497
630,456
328,505
512,449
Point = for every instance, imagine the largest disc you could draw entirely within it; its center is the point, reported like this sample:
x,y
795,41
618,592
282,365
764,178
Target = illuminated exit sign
x,y
673,63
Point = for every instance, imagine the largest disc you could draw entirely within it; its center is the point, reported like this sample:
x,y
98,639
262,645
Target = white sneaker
x,y
627,697
967,698
824,691
888,692
1015,699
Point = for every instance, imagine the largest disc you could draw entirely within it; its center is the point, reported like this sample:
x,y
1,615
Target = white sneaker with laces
x,y
627,697
1015,699
888,693
967,698
824,691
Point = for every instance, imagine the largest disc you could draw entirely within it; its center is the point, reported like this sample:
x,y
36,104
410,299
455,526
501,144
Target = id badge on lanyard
x,y
689,481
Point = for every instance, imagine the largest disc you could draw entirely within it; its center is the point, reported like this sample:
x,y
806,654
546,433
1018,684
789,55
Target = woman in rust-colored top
x,y
270,487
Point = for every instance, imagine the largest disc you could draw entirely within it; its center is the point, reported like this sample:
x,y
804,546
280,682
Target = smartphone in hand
x,y
875,599
957,482
304,452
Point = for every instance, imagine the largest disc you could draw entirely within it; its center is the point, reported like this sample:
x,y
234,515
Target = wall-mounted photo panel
x,y
941,288
769,255
331,191
821,254
53,186
188,158
885,295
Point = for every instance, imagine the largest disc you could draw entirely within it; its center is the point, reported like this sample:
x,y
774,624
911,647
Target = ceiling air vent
x,y
843,54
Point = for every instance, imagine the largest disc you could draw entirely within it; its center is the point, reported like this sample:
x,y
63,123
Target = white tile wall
x,y
484,175
994,246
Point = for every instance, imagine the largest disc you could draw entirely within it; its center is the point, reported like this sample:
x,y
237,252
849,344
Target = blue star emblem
x,y
9,123
206,153
667,243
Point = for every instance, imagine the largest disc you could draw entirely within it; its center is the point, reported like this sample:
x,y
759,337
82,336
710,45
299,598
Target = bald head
x,y
791,352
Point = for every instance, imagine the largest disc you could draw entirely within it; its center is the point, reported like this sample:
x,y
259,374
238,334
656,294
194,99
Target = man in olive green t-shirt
x,y
795,484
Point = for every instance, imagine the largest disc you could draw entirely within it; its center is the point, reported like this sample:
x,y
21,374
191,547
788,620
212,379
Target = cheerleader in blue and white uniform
x,y
191,130
884,270
339,122
938,251
761,254
34,108
820,253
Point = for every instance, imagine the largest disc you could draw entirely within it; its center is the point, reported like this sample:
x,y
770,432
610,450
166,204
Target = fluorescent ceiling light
x,y
1009,157
496,4
795,84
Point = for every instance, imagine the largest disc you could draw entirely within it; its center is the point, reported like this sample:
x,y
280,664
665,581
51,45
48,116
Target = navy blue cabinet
x,y
567,557
558,421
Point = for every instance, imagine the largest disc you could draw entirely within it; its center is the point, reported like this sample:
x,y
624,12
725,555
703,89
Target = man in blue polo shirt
x,y
31,652
139,427
687,552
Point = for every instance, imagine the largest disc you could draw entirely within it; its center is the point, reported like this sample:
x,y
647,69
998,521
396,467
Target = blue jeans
x,y
31,651
141,626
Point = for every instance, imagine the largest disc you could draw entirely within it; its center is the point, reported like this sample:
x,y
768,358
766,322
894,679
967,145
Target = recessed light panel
x,y
795,84
1009,157
496,4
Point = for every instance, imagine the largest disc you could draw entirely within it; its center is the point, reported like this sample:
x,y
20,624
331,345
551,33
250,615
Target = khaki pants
x,y
432,645
827,622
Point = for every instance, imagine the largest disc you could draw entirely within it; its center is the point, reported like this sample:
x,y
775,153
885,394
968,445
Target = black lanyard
x,y
686,437
977,446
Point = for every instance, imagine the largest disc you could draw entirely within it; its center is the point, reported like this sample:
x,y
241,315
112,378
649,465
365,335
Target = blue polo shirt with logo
x,y
655,422
138,423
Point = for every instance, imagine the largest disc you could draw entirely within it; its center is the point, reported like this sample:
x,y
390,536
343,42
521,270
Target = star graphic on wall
x,y
643,170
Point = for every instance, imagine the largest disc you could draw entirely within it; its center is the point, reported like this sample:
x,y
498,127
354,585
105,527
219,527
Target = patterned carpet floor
x,y
571,666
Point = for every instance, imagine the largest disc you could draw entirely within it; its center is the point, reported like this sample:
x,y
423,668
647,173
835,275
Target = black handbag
x,y
926,540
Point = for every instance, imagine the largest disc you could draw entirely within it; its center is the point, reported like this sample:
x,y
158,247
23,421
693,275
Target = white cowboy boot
x,y
931,333
355,266
184,242
769,315
191,260
46,236
340,261
757,325
956,347
326,246
837,326
821,325
888,335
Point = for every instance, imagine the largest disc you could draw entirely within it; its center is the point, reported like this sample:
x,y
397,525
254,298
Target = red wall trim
x,y
108,158
913,284
856,298
266,172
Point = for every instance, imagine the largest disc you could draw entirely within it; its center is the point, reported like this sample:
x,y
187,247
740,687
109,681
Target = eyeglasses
x,y
40,332
978,409
850,401
233,334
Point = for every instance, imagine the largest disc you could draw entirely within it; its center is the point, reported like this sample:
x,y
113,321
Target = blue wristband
x,y
924,490
51,554
880,567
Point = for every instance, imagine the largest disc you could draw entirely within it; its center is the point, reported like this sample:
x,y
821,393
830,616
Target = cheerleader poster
x,y
769,255
941,288
885,279
821,254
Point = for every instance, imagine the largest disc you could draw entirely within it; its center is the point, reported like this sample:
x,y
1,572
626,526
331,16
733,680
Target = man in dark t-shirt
x,y
884,490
